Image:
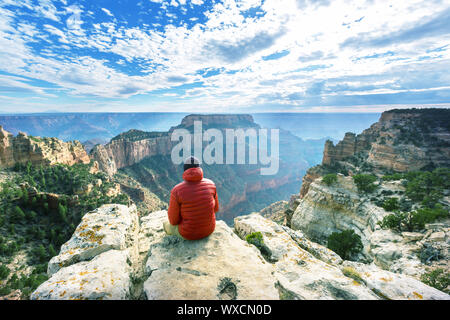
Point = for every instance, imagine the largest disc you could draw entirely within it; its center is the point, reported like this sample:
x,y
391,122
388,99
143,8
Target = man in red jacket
x,y
193,204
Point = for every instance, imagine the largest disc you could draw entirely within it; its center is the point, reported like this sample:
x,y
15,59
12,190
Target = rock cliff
x,y
114,254
46,151
146,158
125,150
401,141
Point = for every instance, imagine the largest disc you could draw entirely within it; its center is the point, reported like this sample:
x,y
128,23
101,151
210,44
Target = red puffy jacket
x,y
193,204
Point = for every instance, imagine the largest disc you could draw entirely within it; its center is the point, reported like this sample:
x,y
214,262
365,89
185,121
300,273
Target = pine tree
x,y
62,211
51,251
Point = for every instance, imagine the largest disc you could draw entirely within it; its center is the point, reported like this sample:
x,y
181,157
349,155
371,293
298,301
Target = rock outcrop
x,y
114,254
327,209
123,152
219,120
45,151
402,140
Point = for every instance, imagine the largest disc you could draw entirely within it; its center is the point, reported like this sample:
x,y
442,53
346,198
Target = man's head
x,y
191,162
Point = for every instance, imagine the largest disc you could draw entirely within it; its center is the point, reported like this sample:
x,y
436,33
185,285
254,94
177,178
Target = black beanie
x,y
191,162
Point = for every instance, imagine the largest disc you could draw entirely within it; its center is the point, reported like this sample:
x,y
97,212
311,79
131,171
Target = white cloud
x,y
107,12
317,68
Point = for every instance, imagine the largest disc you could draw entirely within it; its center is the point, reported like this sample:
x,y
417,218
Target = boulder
x,y
220,266
115,255
437,236
299,274
412,236
106,228
394,286
105,277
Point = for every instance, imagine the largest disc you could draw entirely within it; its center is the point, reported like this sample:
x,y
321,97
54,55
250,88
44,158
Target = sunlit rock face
x,y
45,151
115,254
402,140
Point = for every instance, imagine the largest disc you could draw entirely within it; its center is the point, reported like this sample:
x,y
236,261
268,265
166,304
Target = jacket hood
x,y
193,174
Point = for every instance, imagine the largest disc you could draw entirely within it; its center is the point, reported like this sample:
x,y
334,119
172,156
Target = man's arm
x,y
174,209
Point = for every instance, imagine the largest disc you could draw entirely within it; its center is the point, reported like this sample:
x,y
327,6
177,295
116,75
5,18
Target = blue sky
x,y
223,56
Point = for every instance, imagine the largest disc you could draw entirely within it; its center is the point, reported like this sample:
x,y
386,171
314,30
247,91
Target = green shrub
x,y
427,186
345,243
4,272
256,238
413,221
390,204
17,215
51,251
392,221
364,182
438,278
330,179
40,253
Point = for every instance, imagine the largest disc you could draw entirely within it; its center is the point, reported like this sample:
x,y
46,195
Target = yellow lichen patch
x,y
62,293
92,236
82,227
418,295
386,279
355,283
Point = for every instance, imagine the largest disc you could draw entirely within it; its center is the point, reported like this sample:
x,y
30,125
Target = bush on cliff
x,y
346,243
364,182
438,278
38,223
329,179
415,220
4,271
256,239
390,204
426,186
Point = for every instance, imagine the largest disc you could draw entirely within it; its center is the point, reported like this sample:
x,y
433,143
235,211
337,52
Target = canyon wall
x,y
401,141
46,151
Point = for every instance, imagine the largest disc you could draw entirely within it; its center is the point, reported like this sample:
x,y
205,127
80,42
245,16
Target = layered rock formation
x,y
115,255
45,151
327,209
122,151
220,120
132,146
401,141
146,157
